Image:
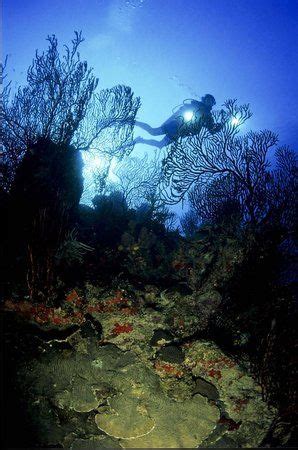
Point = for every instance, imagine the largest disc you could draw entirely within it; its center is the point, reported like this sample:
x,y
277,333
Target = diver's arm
x,y
216,128
211,125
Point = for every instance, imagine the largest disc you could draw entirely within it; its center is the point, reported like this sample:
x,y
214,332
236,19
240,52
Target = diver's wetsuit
x,y
177,126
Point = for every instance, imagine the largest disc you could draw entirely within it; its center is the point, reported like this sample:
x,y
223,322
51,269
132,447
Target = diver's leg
x,y
159,144
153,131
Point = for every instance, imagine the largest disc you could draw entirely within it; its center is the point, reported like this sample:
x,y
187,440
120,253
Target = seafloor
x,y
109,372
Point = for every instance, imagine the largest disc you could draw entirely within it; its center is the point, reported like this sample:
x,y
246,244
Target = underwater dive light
x,y
188,115
235,121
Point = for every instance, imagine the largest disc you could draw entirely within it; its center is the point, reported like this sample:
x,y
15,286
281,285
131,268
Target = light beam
x,y
188,115
235,121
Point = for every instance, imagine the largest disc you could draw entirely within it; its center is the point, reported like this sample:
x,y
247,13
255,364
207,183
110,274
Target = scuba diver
x,y
188,120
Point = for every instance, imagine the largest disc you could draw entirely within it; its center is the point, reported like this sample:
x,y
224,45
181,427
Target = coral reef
x,y
136,384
